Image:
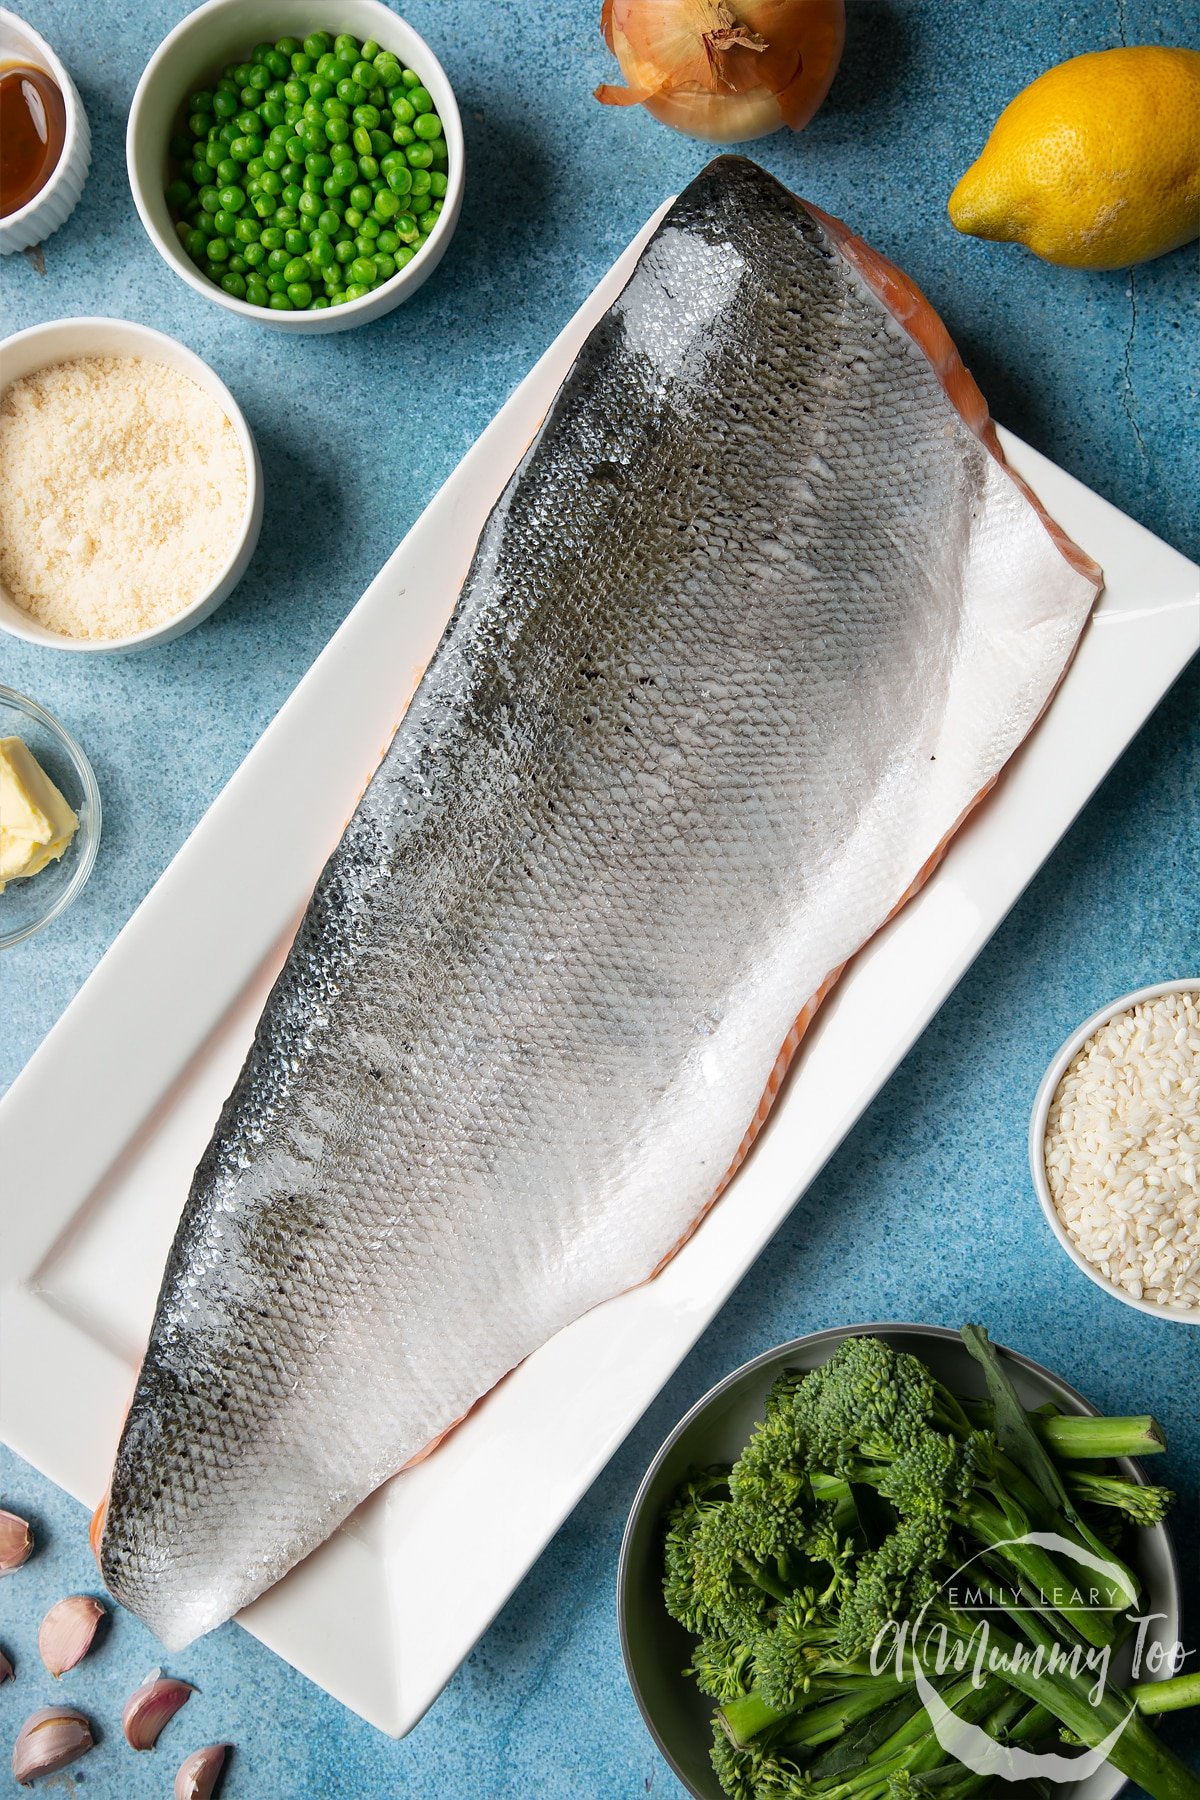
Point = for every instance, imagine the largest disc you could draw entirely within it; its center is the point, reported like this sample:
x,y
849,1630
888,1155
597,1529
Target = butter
x,y
36,824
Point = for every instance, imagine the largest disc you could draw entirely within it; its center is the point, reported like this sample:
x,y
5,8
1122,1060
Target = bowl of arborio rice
x,y
1114,1147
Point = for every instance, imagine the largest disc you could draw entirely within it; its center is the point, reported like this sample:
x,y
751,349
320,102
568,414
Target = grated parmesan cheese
x,y
1122,1150
122,490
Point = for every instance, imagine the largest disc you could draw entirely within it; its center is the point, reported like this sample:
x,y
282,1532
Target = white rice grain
x,y
1122,1148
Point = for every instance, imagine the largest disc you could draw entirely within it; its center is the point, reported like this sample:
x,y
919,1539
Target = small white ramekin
x,y
1037,1138
53,205
63,339
192,56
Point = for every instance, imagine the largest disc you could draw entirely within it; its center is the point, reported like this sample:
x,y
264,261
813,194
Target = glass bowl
x,y
28,903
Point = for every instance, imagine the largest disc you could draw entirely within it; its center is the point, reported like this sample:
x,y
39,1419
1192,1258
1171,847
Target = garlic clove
x,y
199,1773
16,1542
49,1739
65,1634
6,1669
148,1709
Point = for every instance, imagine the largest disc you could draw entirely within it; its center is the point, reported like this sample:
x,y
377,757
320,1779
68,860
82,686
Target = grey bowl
x,y
656,1649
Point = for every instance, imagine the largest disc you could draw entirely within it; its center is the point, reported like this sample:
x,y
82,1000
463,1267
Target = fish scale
x,y
756,621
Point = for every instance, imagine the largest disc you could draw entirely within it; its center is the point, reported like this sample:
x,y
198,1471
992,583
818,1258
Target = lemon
x,y
1096,164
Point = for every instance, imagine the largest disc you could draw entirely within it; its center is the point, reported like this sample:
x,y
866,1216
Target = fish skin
x,y
754,624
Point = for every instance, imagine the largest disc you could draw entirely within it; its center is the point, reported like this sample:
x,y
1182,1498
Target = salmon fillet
x,y
759,617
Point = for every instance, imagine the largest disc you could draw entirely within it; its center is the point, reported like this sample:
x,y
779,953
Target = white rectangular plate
x,y
101,1132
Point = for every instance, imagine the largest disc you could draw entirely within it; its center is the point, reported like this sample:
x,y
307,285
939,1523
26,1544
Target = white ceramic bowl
x,y
193,55
42,345
1037,1139
53,205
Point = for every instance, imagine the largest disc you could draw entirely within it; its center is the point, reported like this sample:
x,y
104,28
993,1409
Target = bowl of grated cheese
x,y
1114,1148
130,487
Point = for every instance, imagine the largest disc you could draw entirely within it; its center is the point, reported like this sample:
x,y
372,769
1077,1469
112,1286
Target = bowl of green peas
x,y
299,162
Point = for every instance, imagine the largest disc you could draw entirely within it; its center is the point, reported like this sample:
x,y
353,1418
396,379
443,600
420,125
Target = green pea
x,y
328,222
420,182
253,255
311,205
362,269
340,153
199,123
321,251
386,205
295,269
287,45
337,130
290,196
218,250
385,266
322,90
419,156
345,45
178,195
296,91
353,217
228,171
285,217
387,70
300,293
295,150
410,78
427,221
264,205
225,222
243,148
319,304
427,126
257,292
350,92
233,198
437,184
403,135
200,173
210,199
361,139
313,184
274,155
301,63
404,257
201,101
237,263
196,244
387,242
247,123
368,168
183,231
317,163
335,109
364,75
370,228
295,241
402,110
246,231
271,238
360,197
317,43
339,69
277,261
224,105
292,116
345,251
278,62
405,227
255,166
280,303
260,78
366,116
356,290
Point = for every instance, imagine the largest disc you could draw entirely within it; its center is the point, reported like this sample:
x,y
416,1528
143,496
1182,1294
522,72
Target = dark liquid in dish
x,y
33,129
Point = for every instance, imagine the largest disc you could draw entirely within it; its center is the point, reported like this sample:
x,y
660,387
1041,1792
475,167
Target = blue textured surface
x,y
926,1213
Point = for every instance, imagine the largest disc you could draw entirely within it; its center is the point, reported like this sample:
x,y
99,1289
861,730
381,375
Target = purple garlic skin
x,y
149,1708
65,1634
49,1739
6,1669
200,1772
16,1542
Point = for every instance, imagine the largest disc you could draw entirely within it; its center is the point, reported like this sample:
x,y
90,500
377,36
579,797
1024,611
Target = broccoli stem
x,y
1075,1439
1137,1752
1171,1695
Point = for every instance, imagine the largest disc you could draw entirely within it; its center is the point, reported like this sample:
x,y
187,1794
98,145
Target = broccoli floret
x,y
893,1582
697,1497
756,1771
867,1402
722,1666
1145,1505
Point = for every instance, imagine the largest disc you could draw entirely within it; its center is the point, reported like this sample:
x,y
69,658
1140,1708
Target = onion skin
x,y
724,71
